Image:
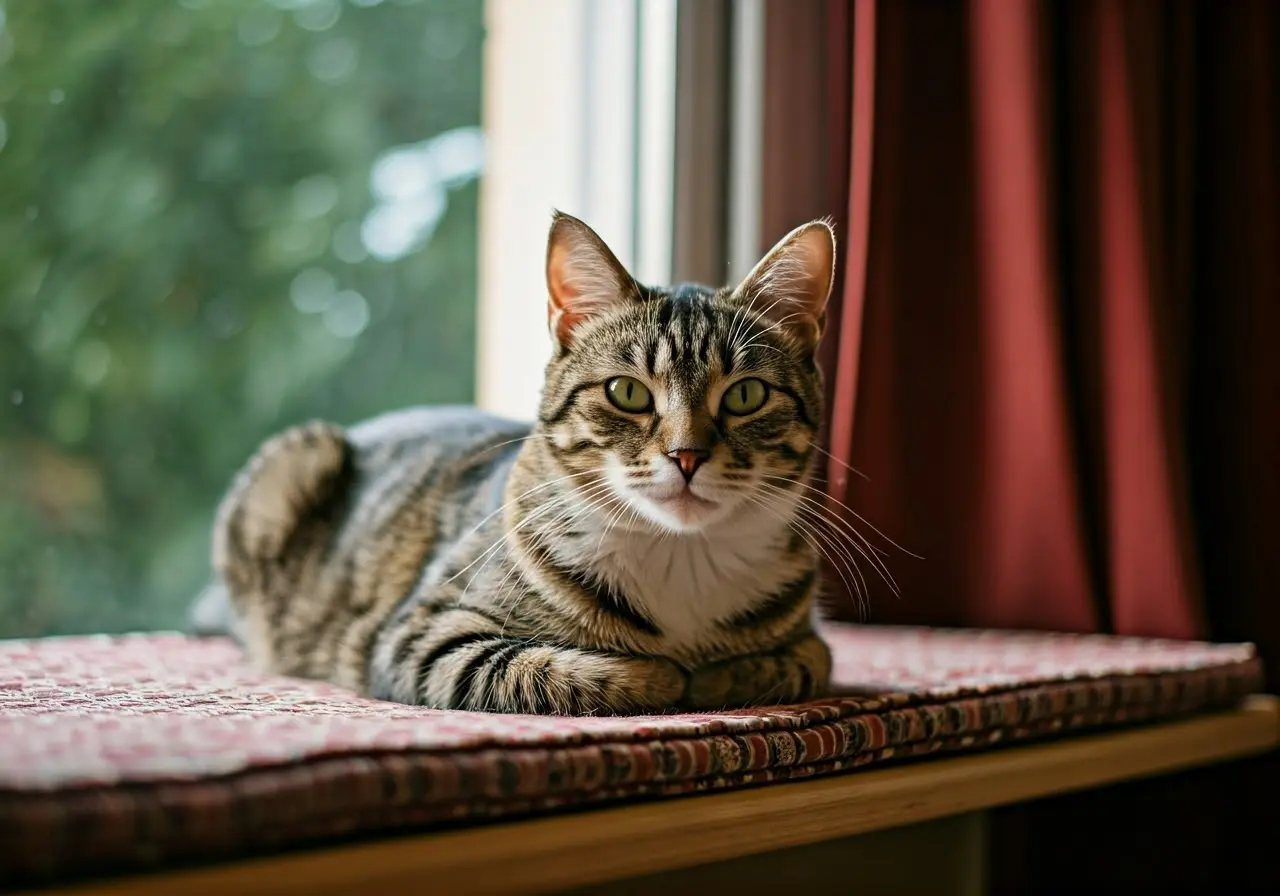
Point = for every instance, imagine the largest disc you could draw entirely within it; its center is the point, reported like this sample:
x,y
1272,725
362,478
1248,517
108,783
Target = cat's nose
x,y
688,460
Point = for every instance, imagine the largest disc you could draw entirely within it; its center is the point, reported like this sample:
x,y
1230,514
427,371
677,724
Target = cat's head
x,y
686,403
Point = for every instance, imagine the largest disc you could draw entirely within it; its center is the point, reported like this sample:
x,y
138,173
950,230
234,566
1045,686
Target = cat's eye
x,y
745,397
627,393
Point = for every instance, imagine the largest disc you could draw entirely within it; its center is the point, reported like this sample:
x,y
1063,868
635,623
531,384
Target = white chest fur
x,y
689,583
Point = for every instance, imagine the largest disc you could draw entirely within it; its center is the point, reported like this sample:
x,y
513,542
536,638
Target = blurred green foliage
x,y
217,218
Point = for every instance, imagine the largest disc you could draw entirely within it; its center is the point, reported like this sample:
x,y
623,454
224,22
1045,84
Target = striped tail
x,y
291,484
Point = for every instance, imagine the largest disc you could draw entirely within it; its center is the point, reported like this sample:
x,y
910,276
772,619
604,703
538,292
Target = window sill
x,y
610,845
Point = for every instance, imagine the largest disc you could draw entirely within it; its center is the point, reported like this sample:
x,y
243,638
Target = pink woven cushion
x,y
128,751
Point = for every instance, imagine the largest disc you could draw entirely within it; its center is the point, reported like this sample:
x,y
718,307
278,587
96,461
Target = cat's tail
x,y
290,488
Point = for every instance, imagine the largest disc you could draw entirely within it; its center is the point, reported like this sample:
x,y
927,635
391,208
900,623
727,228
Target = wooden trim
x,y
654,186
557,853
746,135
702,142
534,121
885,862
579,115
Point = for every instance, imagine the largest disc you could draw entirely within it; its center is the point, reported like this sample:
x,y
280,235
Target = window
x,y
223,217
218,217
580,115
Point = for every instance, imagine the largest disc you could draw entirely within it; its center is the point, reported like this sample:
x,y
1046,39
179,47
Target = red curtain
x,y
1059,341
1057,358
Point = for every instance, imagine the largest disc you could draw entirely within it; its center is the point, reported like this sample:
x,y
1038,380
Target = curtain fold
x,y
847,327
1055,373
1055,281
1033,569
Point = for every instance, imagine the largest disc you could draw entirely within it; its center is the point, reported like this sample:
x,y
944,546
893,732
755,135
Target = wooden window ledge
x,y
592,848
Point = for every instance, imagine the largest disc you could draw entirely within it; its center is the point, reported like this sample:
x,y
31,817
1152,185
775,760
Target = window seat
x,y
155,752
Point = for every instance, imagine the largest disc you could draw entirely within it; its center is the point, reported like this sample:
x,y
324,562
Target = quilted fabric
x,y
126,752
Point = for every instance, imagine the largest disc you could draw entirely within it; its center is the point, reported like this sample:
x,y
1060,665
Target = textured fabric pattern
x,y
119,753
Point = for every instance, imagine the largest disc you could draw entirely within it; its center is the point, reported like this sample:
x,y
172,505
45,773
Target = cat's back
x,y
350,486
454,430
349,516
452,456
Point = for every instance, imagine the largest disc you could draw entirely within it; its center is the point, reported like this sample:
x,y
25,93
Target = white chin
x,y
684,512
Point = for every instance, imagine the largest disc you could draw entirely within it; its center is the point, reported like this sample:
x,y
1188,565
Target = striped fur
x,y
446,557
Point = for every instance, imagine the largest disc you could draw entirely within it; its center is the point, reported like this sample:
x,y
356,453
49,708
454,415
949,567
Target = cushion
x,y
132,752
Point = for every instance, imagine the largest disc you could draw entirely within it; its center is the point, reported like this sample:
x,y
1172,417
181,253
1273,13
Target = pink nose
x,y
688,460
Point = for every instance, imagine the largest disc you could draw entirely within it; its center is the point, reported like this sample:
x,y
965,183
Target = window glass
x,y
217,218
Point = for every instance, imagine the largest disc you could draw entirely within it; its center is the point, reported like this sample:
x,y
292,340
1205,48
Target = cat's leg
x,y
462,659
799,671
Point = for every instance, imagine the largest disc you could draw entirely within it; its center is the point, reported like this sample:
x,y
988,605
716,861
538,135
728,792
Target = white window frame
x,y
746,136
579,115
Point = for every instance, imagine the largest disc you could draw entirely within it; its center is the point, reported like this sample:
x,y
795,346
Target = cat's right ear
x,y
584,278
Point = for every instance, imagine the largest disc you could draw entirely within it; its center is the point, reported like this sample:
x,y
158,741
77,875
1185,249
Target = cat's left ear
x,y
790,286
584,278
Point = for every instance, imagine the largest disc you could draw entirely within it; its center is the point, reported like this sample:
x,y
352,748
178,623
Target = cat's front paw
x,y
796,673
712,687
742,681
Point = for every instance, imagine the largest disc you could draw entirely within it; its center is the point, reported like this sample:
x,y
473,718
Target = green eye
x,y
628,394
745,397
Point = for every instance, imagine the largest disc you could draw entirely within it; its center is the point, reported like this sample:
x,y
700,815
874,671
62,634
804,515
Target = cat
x,y
640,548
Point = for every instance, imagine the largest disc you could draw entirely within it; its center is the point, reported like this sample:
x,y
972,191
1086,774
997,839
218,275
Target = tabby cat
x,y
640,548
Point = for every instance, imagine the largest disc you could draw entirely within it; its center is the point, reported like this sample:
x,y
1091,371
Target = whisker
x,y
492,550
773,348
609,526
842,527
597,498
863,592
748,307
857,539
739,316
501,591
854,470
842,561
847,526
859,517
532,435
831,539
515,500
809,535
778,323
761,317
